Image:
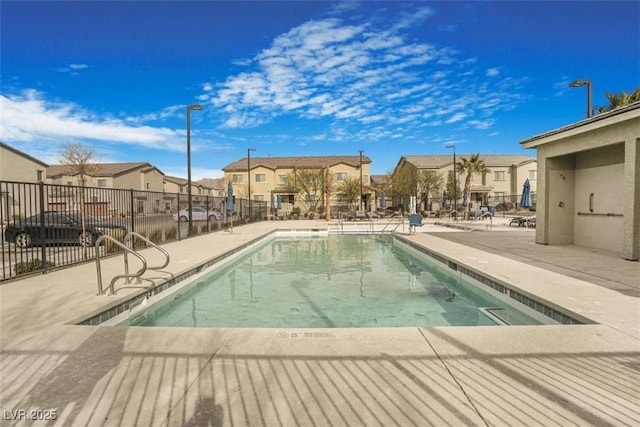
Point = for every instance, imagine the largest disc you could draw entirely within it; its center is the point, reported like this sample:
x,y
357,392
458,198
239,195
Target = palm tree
x,y
619,100
470,166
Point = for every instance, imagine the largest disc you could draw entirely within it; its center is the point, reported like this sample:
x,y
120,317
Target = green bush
x,y
31,266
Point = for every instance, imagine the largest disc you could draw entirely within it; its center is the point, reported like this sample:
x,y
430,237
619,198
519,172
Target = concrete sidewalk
x,y
518,375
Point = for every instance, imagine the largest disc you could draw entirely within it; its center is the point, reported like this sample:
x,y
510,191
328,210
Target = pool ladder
x,y
137,275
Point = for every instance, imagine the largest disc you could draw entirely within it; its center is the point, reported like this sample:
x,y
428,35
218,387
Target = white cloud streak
x,y
28,117
362,74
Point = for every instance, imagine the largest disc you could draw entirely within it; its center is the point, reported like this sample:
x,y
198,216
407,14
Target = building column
x,y
631,239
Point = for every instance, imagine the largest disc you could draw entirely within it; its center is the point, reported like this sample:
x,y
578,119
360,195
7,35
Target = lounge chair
x,y
372,215
415,220
519,221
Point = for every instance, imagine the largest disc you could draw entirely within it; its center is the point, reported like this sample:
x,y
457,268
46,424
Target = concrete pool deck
x,y
519,375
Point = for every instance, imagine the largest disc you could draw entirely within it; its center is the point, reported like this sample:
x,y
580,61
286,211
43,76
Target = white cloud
x,y
28,117
492,72
72,69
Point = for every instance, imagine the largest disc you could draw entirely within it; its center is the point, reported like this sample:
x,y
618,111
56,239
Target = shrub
x,y
30,266
109,246
156,236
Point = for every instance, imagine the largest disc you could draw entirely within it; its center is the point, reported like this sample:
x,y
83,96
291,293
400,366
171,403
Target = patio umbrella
x,y
230,206
525,200
273,202
444,199
465,202
383,200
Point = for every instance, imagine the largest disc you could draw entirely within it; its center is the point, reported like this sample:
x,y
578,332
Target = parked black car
x,y
59,228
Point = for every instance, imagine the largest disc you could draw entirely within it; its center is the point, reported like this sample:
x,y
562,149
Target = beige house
x,y
503,184
20,167
16,166
134,176
141,178
203,195
268,175
588,183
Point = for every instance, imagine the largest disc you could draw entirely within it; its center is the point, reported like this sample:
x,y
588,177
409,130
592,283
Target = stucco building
x,y
268,176
589,192
502,184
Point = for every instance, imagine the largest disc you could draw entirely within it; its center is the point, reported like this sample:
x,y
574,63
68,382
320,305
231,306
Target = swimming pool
x,y
332,281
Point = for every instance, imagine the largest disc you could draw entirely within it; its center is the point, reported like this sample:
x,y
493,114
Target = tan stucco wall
x,y
14,167
599,157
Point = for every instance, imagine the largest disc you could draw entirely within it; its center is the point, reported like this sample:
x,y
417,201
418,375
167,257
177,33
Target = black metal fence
x,y
42,223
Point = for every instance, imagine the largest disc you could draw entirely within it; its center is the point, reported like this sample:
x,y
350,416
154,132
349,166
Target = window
x,y
365,179
341,176
102,183
237,177
499,196
281,179
148,185
258,197
39,175
498,175
261,177
533,175
69,183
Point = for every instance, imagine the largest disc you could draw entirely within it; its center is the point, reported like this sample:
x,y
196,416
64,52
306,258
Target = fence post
x,y
178,214
43,247
133,221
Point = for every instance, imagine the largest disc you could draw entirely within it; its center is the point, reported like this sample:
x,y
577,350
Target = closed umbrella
x,y
525,200
273,202
383,200
230,204
279,201
444,199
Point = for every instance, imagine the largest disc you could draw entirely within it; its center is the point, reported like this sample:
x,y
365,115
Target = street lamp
x,y
249,150
194,107
455,184
361,151
579,83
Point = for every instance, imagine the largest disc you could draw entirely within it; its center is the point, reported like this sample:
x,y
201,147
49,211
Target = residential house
x,y
203,194
139,178
268,176
588,183
502,185
17,166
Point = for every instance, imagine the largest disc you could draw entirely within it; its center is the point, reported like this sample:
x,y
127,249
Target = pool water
x,y
333,281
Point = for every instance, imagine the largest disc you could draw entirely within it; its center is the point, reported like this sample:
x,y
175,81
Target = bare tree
x,y
308,186
430,182
80,159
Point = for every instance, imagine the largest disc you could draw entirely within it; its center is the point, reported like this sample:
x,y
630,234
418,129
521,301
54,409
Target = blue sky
x,y
304,78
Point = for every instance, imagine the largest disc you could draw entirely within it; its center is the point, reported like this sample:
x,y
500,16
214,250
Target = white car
x,y
199,214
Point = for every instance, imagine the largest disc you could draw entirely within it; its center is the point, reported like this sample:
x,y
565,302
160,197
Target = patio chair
x,y
519,221
372,215
360,215
415,220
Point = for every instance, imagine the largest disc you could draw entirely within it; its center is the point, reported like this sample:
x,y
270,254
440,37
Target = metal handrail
x,y
486,214
391,221
130,235
119,276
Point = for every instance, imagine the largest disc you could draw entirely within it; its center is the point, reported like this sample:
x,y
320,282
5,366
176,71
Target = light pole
x,y
455,184
361,151
249,150
194,107
579,83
